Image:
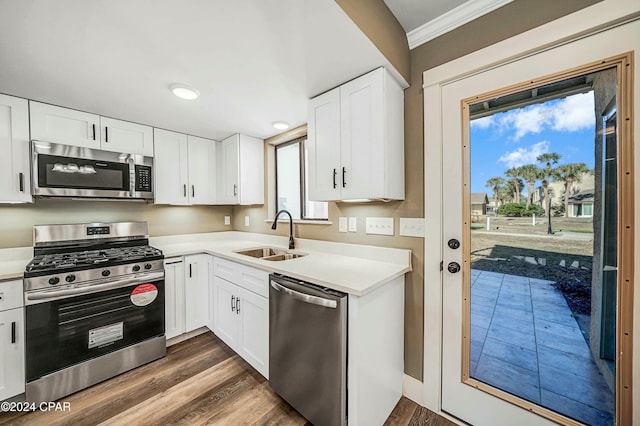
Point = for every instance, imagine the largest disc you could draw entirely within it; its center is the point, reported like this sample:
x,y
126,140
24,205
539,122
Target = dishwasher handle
x,y
307,298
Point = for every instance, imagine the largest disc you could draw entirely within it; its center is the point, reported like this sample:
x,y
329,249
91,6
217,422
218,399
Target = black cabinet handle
x,y
344,182
21,179
106,134
233,303
193,191
190,271
13,332
238,305
335,172
94,131
184,190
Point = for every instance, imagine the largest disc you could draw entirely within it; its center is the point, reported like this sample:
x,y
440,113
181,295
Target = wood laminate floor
x,y
200,381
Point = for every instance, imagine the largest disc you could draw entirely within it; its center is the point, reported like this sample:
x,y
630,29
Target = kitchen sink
x,y
270,253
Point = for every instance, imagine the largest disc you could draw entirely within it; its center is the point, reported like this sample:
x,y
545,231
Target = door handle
x,y
238,305
335,172
344,182
233,303
13,332
21,179
453,267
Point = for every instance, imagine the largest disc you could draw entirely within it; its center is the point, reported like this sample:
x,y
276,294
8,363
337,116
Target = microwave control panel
x,y
143,178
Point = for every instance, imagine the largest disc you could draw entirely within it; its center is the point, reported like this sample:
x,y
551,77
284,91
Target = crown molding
x,y
466,12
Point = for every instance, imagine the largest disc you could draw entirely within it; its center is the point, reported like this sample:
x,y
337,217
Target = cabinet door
x,y
362,150
323,142
251,171
11,353
170,165
254,330
196,291
126,137
202,167
66,126
226,318
174,297
15,179
228,170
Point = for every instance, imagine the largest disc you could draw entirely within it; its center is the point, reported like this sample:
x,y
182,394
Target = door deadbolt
x,y
453,243
453,267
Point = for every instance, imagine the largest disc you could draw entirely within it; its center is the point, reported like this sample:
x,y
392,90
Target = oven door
x,y
74,328
69,171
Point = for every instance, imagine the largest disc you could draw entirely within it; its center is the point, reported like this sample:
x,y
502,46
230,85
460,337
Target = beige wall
x,y
16,221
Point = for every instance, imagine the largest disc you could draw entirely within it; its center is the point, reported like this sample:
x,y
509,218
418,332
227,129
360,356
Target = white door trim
x,y
598,18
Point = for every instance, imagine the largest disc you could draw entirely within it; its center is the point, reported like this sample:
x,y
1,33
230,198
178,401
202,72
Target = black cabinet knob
x,y
70,278
453,243
54,280
136,268
147,266
453,267
106,273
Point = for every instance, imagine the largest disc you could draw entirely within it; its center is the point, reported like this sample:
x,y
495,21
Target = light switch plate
x,y
380,225
246,221
412,226
227,220
353,224
342,224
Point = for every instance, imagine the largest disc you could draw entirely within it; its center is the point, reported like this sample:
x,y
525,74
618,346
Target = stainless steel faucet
x,y
275,225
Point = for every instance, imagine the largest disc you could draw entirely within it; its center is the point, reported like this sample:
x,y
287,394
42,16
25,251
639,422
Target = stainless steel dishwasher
x,y
308,348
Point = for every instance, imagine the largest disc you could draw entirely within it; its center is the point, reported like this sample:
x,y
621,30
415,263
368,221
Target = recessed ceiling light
x,y
280,125
184,92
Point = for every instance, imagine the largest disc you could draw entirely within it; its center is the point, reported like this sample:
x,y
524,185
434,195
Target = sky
x,y
516,137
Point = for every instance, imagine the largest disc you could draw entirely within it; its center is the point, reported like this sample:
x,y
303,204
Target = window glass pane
x,y
313,209
587,209
288,178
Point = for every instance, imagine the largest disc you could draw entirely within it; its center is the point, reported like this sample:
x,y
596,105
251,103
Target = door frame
x,y
605,16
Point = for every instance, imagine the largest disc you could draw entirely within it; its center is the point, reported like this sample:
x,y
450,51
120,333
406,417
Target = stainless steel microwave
x,y
70,171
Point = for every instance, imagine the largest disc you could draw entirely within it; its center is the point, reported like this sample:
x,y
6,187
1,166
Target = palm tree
x,y
548,158
514,174
495,183
569,174
531,173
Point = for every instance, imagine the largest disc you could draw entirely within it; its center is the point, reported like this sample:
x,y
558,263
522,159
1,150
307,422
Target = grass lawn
x,y
523,225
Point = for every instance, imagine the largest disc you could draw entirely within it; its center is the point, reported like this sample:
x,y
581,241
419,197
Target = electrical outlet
x,y
246,221
412,226
227,220
342,224
353,224
380,225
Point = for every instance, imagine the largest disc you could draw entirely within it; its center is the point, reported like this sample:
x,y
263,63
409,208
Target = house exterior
x,y
579,190
479,203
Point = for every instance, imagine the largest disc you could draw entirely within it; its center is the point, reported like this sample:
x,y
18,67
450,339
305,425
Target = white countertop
x,y
351,268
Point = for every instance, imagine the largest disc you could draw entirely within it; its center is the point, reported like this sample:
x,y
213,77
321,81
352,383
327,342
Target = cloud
x,y
569,114
482,123
522,156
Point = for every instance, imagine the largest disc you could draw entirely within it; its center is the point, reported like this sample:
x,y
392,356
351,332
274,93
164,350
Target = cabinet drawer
x,y
252,279
11,295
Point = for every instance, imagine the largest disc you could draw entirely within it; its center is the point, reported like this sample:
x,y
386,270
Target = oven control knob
x,y
106,273
136,268
70,278
54,280
147,266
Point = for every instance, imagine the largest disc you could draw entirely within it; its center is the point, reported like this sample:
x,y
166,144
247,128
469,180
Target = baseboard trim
x,y
185,336
412,388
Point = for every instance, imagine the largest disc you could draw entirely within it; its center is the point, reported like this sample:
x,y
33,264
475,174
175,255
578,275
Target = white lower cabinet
x,y
12,378
174,297
241,314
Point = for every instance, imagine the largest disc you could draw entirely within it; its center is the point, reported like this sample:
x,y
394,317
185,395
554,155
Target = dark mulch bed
x,y
577,294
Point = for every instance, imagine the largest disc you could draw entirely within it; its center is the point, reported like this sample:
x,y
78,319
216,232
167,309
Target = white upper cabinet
x,y
185,169
124,136
66,126
71,127
356,140
15,179
241,170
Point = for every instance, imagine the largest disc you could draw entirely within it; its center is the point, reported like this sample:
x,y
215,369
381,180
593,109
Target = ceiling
x,y
253,61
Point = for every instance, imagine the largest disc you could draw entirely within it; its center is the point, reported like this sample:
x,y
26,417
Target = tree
x,y
514,174
548,158
569,174
505,194
530,173
495,183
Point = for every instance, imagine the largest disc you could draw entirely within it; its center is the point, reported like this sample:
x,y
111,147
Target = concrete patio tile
x,y
539,282
548,296
483,301
478,334
522,289
554,307
521,325
481,310
594,394
564,344
576,410
512,354
513,313
564,318
480,320
514,337
513,302
516,278
572,332
485,291
475,349
489,282
574,364
508,377
487,274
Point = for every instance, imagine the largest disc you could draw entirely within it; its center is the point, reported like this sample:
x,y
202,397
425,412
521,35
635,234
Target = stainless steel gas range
x,y
94,306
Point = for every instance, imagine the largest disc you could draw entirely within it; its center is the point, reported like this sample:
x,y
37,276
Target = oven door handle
x,y
49,295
